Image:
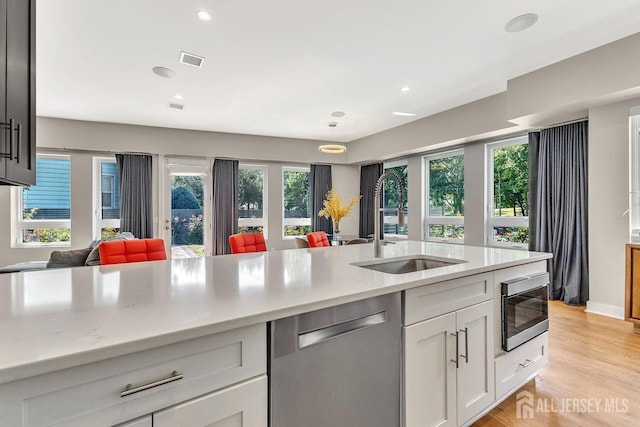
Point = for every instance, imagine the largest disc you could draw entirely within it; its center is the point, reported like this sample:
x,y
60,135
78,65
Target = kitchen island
x,y
70,323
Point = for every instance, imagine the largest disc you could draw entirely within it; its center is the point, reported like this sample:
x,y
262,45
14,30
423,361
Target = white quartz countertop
x,y
56,319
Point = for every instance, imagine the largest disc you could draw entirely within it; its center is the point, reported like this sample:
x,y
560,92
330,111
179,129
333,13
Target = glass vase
x,y
336,231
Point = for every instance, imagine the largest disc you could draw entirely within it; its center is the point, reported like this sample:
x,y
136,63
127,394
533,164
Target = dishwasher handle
x,y
318,336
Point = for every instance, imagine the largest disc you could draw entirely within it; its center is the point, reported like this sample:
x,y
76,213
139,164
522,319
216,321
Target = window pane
x,y
391,200
110,190
446,231
250,193
109,233
50,198
296,194
187,216
251,229
46,235
446,186
511,234
297,230
511,181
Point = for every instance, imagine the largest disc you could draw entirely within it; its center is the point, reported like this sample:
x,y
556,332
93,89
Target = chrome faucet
x,y
377,243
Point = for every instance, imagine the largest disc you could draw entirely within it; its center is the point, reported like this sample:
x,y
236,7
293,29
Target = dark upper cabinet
x,y
17,93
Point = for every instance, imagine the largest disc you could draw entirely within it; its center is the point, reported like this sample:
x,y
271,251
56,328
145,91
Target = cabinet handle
x,y
466,345
457,350
526,363
19,146
9,126
129,389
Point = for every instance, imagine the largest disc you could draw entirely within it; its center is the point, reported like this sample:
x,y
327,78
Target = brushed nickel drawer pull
x,y
129,389
455,335
526,363
466,345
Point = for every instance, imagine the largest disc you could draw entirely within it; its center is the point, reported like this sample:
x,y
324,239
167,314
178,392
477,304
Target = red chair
x,y
247,242
137,250
318,239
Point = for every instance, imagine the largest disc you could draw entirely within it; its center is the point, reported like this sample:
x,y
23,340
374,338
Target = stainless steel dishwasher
x,y
337,367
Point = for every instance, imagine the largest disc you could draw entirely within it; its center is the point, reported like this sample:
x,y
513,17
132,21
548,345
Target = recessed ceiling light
x,y
399,113
178,96
521,23
164,72
332,148
333,124
405,88
204,15
338,114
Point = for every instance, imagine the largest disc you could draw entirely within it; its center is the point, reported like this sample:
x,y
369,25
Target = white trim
x,y
605,309
439,219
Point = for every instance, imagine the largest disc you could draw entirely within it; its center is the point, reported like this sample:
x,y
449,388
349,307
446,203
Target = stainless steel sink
x,y
407,264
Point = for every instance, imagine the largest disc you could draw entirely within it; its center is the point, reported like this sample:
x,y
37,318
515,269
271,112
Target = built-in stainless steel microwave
x,y
525,309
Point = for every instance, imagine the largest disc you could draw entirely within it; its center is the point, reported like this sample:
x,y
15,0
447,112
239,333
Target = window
x,y
106,198
296,218
252,200
44,210
391,200
508,179
445,197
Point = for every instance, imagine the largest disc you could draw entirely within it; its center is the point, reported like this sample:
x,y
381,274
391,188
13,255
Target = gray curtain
x,y
559,208
369,176
319,186
136,212
225,204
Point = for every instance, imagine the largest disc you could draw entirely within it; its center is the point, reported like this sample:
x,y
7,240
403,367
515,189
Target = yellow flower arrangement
x,y
335,209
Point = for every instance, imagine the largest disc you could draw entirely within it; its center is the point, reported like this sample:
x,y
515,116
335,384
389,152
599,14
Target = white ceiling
x,y
280,67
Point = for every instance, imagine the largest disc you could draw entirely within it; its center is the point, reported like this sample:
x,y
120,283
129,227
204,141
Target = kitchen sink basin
x,y
407,264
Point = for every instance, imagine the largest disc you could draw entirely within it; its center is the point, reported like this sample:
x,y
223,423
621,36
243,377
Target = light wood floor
x,y
590,357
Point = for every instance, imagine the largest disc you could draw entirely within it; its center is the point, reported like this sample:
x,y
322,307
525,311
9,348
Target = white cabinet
x,y
128,387
244,404
448,350
449,369
476,387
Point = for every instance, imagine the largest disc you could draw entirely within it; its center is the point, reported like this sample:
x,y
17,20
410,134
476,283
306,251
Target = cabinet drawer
x,y
430,301
92,394
520,363
244,404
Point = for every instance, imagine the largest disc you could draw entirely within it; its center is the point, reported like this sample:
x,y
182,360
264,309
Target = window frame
x,y
21,224
98,222
293,221
501,221
439,219
393,219
264,221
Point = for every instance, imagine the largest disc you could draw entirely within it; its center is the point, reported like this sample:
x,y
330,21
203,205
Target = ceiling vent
x,y
176,106
191,59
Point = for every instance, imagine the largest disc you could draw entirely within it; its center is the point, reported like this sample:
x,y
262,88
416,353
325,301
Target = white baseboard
x,y
605,309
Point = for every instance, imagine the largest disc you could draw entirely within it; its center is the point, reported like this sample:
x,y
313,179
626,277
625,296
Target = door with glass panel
x,y
187,210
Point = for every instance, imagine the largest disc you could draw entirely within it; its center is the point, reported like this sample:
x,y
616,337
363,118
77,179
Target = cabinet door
x,y
476,386
21,90
430,373
244,404
3,87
